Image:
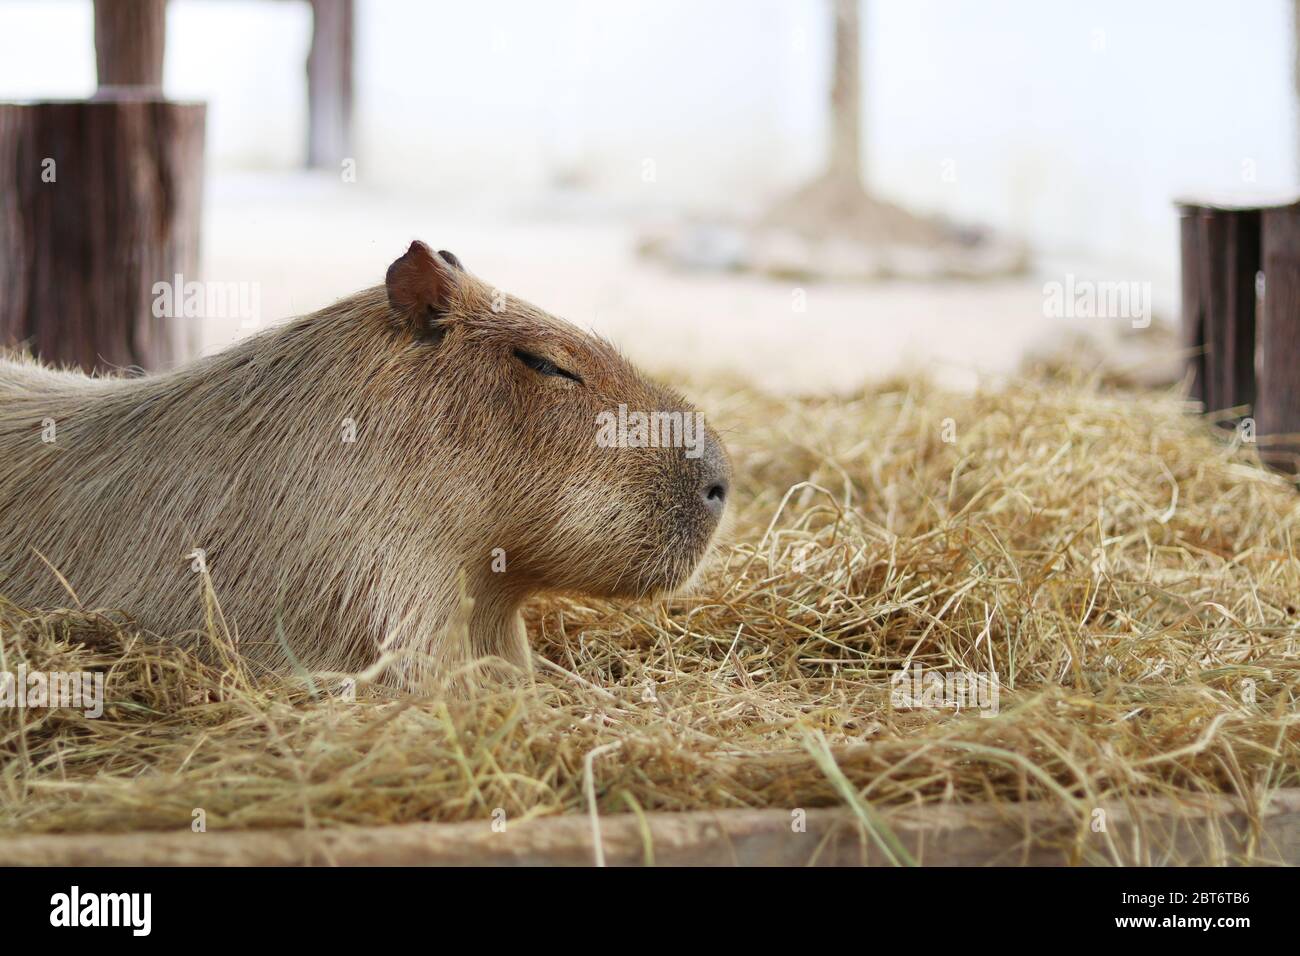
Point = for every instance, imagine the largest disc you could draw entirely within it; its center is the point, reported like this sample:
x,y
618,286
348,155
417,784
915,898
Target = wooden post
x,y
1213,242
99,201
129,37
1220,262
1243,265
1228,244
1193,312
846,95
1295,70
329,84
1279,379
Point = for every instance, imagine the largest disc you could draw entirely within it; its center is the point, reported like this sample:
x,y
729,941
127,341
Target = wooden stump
x,y
1226,243
1193,312
99,200
1220,259
1279,374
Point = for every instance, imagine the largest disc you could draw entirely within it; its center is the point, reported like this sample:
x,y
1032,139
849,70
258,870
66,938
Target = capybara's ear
x,y
422,285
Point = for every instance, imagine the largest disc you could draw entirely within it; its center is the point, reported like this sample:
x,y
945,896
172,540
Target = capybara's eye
x,y
544,366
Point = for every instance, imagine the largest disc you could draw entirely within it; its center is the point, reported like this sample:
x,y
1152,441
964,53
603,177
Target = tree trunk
x,y
98,202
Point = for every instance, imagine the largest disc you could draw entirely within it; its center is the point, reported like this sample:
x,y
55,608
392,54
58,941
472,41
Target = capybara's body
x,y
387,478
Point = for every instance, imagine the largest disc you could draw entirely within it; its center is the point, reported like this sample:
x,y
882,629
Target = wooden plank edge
x,y
1147,831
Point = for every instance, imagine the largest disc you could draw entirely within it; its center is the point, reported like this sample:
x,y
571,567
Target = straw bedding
x,y
1129,577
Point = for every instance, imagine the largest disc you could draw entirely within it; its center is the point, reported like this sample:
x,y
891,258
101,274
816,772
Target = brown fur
x,y
352,549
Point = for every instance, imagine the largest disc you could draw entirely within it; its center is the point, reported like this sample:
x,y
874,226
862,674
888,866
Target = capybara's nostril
x,y
714,487
715,496
715,477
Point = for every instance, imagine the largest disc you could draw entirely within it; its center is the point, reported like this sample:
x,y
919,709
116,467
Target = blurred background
x,y
608,161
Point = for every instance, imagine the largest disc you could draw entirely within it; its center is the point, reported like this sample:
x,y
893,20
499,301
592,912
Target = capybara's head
x,y
585,476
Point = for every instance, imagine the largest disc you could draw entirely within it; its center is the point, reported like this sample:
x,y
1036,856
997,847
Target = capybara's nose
x,y
715,481
715,496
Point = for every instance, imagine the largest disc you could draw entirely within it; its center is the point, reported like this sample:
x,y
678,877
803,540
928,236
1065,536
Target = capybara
x,y
379,484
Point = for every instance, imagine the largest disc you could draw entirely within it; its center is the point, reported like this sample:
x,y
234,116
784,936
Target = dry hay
x,y
1130,578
